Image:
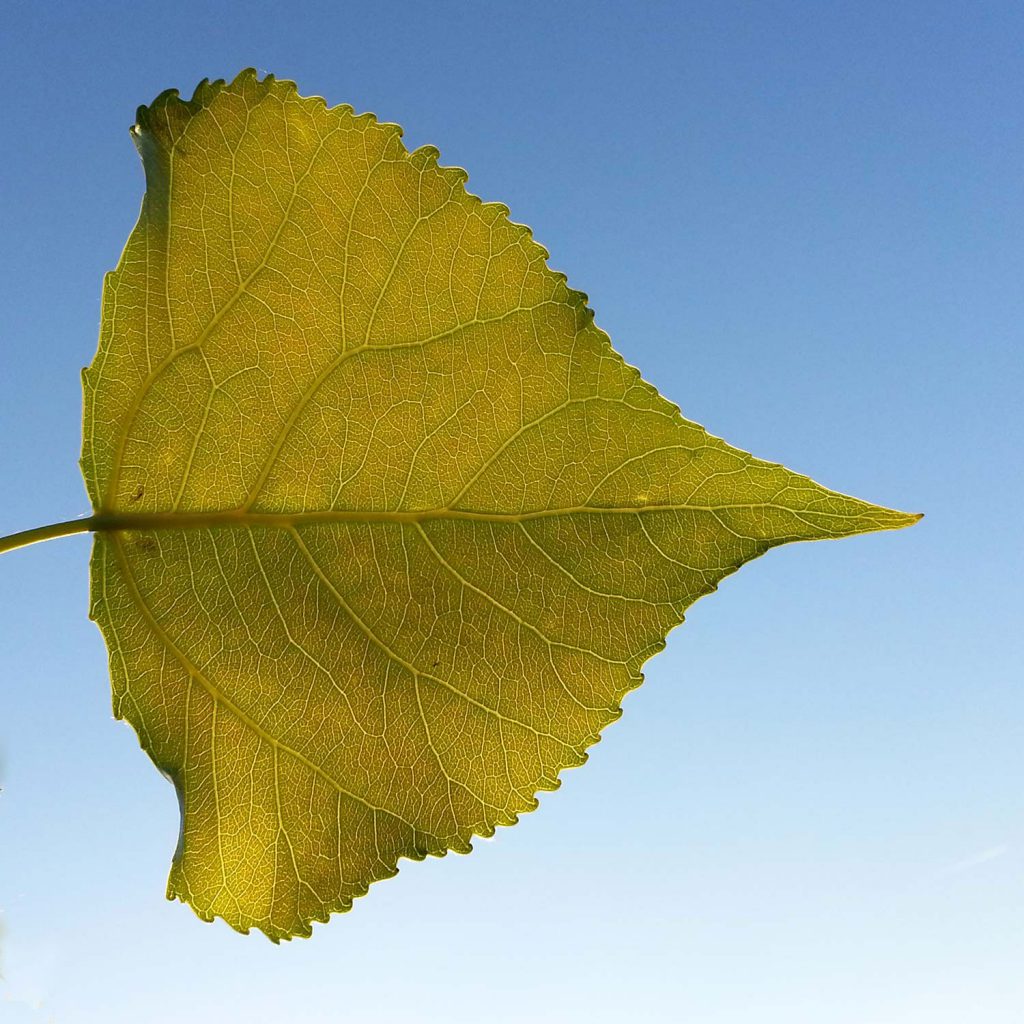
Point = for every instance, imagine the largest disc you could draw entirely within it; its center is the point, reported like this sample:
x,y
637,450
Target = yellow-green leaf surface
x,y
396,527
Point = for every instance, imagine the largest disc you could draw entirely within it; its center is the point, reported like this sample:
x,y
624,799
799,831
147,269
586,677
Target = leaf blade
x,y
391,527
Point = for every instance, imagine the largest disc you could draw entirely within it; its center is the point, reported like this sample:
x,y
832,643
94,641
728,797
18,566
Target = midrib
x,y
103,522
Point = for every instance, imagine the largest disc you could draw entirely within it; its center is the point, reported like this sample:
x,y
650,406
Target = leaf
x,y
390,529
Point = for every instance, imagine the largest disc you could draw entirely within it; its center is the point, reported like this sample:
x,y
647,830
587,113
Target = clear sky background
x,y
803,222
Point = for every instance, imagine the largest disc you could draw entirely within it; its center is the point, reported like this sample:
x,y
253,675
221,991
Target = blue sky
x,y
803,222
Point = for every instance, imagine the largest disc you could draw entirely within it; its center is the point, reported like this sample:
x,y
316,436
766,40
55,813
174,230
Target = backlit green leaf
x,y
396,528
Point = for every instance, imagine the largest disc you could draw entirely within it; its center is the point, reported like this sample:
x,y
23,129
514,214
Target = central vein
x,y
103,522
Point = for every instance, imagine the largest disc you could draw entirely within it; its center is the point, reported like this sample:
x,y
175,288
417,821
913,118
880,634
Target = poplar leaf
x,y
394,527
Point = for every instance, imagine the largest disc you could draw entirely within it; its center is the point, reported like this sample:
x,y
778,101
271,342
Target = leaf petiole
x,y
65,529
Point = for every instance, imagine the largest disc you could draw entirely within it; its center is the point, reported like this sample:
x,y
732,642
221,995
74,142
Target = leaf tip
x,y
893,519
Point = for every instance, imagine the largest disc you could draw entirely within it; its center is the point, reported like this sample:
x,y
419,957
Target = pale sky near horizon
x,y
803,223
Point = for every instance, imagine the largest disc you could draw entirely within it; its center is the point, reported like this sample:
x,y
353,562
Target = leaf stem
x,y
65,529
870,519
